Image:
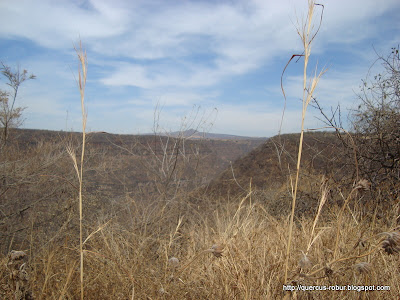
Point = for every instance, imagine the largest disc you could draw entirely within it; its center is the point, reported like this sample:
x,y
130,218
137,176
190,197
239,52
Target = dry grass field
x,y
220,250
90,216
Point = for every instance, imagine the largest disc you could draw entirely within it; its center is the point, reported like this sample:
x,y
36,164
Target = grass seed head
x,y
16,255
217,250
363,185
173,262
304,261
391,244
363,267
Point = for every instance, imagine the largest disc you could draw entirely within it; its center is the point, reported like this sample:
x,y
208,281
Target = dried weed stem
x,y
306,35
79,169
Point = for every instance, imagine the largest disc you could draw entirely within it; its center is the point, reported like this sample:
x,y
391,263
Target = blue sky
x,y
221,58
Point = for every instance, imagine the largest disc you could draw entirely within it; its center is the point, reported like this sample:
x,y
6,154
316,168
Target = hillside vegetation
x,y
195,244
39,187
313,215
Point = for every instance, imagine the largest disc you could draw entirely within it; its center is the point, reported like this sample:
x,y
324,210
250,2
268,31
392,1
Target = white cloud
x,y
352,21
182,53
148,77
57,24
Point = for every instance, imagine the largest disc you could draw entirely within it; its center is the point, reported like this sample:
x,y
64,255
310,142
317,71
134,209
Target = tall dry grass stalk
x,y
307,36
322,201
82,72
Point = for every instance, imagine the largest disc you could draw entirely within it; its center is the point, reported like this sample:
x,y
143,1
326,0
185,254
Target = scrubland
x,y
196,245
302,216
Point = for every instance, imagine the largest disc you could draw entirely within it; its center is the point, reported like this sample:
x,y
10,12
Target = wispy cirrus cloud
x,y
190,52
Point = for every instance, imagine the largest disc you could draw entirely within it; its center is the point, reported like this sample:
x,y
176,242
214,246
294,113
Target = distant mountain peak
x,y
195,134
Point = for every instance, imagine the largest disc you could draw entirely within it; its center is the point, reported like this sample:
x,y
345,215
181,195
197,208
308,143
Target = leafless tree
x,y
10,116
375,126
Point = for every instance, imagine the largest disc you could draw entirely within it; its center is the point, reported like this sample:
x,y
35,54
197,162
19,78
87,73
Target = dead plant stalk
x,y
79,169
306,35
